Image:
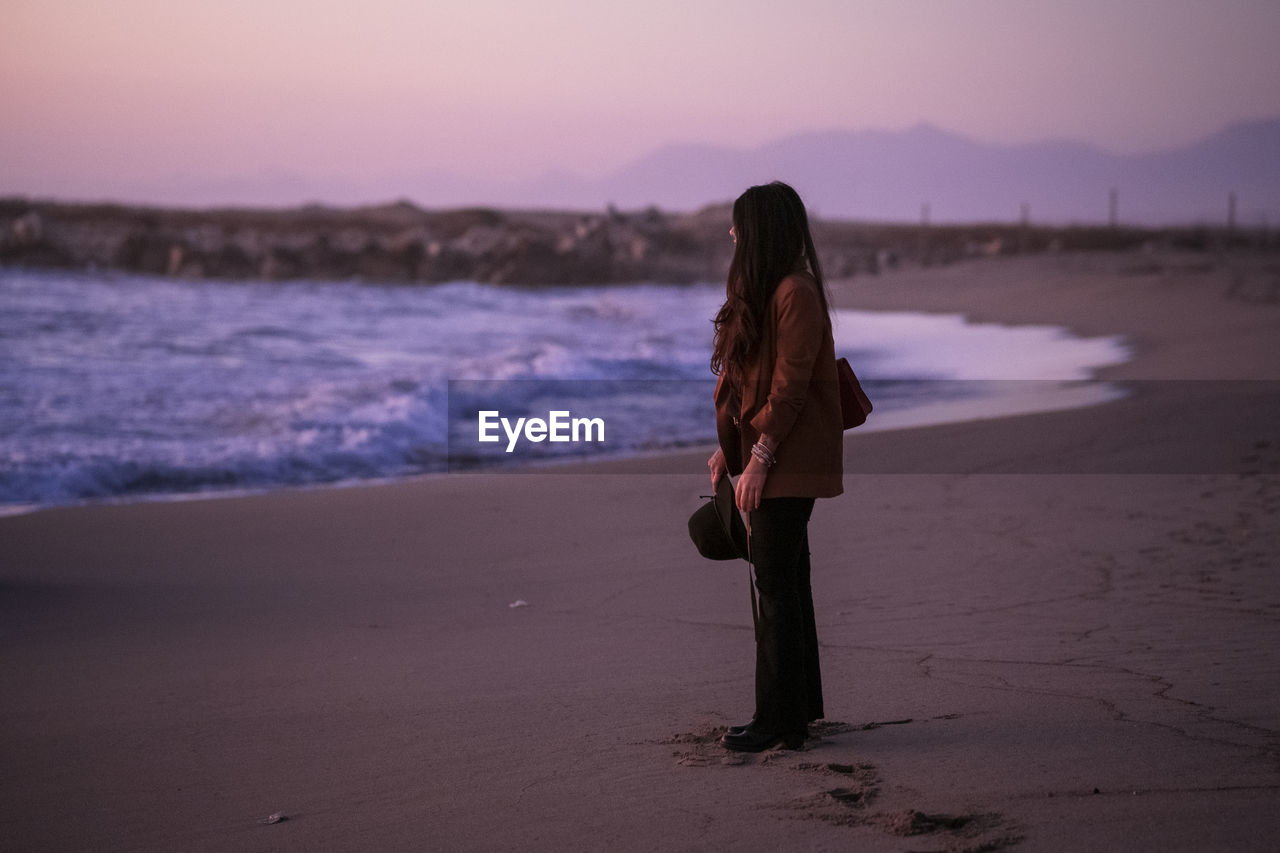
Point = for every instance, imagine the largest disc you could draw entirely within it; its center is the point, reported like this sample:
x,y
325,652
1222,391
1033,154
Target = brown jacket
x,y
790,394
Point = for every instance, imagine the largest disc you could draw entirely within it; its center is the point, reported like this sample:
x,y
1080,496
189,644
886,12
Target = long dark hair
x,y
773,241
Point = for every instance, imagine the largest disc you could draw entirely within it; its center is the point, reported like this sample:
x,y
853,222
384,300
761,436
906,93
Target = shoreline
x,y
1059,396
1015,656
883,338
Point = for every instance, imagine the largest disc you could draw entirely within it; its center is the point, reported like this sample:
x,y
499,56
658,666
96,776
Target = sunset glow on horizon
x,y
114,99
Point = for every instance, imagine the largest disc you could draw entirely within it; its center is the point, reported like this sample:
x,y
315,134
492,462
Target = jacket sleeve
x,y
798,339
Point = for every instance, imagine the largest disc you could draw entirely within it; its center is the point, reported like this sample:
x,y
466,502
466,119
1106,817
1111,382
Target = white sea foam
x,y
947,346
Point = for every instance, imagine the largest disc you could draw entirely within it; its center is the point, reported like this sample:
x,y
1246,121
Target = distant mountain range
x,y
883,175
863,175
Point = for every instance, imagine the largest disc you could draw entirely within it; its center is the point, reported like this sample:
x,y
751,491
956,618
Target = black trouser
x,y
788,681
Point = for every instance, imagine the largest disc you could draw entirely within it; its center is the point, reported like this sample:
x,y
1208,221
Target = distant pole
x,y
1024,227
1113,216
1231,214
924,227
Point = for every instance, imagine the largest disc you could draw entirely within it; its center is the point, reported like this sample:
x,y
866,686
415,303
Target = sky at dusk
x,y
105,99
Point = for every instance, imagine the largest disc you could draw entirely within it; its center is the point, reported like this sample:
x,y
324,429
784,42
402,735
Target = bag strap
x,y
751,585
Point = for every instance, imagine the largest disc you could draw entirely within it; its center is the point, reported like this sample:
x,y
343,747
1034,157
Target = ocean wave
x,y
128,387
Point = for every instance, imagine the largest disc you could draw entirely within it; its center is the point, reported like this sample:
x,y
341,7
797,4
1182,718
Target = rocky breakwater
x,y
396,243
391,243
404,243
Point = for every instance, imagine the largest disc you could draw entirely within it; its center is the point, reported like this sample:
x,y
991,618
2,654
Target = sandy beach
x,y
1048,632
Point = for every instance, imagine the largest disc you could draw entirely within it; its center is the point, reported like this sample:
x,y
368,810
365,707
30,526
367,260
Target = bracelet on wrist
x,y
763,455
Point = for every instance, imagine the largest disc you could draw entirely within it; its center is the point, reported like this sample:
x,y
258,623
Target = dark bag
x,y
855,405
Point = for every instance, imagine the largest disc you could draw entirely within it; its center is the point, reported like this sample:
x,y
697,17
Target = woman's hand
x,y
718,467
751,486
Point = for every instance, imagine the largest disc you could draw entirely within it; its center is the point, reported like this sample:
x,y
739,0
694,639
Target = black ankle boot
x,y
752,739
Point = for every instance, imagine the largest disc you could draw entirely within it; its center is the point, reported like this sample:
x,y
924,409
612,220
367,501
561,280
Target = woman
x,y
778,409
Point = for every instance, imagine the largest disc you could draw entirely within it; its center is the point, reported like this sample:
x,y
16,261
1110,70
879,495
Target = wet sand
x,y
1047,632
